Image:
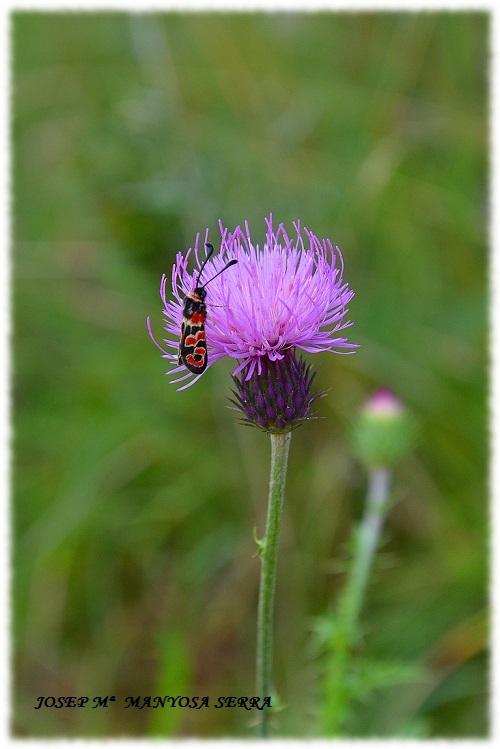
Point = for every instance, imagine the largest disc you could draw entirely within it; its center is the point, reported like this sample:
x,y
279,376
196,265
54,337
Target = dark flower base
x,y
278,399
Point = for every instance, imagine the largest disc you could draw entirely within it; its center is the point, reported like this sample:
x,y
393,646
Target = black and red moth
x,y
193,343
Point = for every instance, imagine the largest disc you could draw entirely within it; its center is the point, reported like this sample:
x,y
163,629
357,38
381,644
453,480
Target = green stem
x,y
367,540
280,444
351,600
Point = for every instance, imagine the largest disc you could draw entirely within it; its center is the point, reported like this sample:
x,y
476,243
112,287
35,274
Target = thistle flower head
x,y
287,294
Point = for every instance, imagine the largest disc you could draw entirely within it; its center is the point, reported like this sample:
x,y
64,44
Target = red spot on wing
x,y
193,338
197,318
197,360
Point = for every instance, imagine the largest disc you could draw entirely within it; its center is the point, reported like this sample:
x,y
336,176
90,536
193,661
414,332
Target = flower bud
x,y
384,432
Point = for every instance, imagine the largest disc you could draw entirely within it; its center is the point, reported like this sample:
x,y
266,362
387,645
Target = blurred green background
x,y
134,568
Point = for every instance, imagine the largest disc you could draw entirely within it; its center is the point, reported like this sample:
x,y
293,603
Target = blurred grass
x,y
133,505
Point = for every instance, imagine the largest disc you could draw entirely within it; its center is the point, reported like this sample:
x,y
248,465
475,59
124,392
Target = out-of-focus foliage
x,y
134,566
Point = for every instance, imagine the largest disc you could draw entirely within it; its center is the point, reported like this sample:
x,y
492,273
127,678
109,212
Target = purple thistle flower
x,y
287,294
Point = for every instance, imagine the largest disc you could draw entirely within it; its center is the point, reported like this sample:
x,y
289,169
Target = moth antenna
x,y
228,265
210,252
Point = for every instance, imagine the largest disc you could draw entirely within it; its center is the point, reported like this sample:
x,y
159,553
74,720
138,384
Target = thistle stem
x,y
366,541
280,444
368,538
